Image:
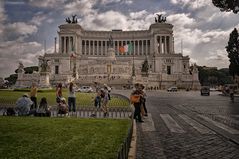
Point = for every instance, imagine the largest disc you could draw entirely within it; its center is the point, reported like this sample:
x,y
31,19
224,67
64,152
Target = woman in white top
x,y
72,98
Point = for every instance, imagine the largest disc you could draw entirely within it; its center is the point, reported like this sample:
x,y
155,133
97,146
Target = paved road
x,y
187,125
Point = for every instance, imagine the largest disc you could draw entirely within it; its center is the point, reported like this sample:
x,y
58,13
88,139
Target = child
x,y
62,107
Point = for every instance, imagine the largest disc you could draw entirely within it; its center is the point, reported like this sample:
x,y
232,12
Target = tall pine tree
x,y
233,53
227,5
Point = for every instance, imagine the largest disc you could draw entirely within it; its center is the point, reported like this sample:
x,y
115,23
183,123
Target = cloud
x,y
21,28
46,3
217,55
38,19
138,15
81,8
14,51
3,17
109,1
191,4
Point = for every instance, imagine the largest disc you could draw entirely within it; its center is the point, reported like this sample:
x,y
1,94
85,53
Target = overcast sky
x,y
25,24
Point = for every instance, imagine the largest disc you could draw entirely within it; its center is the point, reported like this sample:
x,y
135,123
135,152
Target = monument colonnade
x,y
93,47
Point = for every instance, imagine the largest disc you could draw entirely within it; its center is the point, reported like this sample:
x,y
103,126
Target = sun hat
x,y
25,95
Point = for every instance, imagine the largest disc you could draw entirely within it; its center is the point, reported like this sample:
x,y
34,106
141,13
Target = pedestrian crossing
x,y
172,125
175,125
199,127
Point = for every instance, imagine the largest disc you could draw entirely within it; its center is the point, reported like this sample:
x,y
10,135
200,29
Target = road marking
x,y
148,124
199,127
220,125
171,124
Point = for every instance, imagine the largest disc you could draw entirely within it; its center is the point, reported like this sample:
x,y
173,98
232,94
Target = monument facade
x,y
120,58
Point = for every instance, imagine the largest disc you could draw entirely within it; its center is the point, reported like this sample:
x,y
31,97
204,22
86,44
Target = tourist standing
x,y
71,97
105,100
97,103
58,93
136,101
33,96
143,99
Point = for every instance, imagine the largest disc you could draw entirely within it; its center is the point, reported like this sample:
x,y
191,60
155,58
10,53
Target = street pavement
x,y
187,125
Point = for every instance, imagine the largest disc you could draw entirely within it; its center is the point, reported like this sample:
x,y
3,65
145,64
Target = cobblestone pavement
x,y
187,125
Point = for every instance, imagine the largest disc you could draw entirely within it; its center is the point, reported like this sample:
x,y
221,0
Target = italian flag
x,y
126,48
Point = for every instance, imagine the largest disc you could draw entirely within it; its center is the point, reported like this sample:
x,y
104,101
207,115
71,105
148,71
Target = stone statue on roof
x,y
73,20
161,18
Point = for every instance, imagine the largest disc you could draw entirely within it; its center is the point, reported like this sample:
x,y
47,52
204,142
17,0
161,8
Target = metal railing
x,y
123,151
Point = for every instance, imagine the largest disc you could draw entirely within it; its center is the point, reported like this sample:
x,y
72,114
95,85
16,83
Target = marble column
x,y
160,45
65,44
166,43
146,45
60,45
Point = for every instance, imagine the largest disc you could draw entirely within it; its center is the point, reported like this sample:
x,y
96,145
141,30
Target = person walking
x,y
58,93
71,98
33,96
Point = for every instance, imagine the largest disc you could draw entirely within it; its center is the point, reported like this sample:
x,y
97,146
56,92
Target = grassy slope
x,y
82,99
58,138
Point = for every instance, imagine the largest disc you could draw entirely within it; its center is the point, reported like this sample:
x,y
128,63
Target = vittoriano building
x,y
88,56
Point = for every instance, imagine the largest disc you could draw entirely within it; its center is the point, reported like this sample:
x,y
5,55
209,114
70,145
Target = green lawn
x,y
56,138
82,99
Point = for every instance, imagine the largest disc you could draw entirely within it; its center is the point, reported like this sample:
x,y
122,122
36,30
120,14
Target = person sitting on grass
x,y
43,109
23,106
62,106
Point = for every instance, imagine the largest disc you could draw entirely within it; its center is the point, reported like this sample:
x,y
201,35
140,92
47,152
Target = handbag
x,y
135,98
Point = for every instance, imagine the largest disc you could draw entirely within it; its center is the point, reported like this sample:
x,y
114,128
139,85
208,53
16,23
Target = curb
x,y
132,149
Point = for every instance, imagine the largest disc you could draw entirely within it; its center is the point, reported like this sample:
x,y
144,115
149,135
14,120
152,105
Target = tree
x,y
29,70
233,53
214,77
12,79
227,5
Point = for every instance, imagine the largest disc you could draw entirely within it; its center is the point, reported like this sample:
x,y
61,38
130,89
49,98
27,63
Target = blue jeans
x,y
97,102
72,103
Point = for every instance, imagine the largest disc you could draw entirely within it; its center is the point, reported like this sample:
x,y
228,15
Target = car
x,y
205,90
172,89
85,89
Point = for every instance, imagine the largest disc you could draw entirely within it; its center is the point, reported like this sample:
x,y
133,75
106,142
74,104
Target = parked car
x,y
172,89
85,89
205,90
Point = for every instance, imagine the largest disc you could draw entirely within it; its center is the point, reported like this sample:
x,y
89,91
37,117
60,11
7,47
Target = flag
x,y
126,48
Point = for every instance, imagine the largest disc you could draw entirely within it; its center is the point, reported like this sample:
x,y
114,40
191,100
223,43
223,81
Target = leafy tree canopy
x,y
227,5
29,70
233,53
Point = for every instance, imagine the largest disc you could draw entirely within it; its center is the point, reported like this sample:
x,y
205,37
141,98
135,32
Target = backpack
x,y
11,112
